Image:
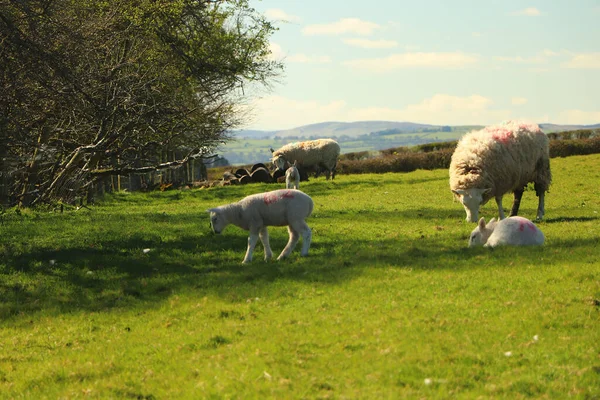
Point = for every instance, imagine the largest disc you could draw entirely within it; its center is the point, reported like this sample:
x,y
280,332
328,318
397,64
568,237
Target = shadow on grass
x,y
119,273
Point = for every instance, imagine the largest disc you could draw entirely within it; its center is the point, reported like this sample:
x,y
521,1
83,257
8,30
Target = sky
x,y
443,62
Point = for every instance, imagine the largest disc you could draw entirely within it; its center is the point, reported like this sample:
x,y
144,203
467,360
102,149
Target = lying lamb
x,y
292,177
500,159
277,208
514,231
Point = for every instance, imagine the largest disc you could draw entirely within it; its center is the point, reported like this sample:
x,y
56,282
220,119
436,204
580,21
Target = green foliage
x,y
390,303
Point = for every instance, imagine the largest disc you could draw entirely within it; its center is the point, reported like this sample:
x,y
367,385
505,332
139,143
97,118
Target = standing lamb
x,y
497,160
292,177
513,231
277,208
320,154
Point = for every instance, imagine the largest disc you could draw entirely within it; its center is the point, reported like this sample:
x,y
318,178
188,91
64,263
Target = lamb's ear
x,y
492,220
211,210
459,192
481,223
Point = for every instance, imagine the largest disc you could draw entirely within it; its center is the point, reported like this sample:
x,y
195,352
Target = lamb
x,y
292,177
276,208
497,160
515,231
320,154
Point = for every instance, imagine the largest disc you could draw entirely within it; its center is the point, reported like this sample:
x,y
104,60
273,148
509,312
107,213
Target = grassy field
x,y
135,298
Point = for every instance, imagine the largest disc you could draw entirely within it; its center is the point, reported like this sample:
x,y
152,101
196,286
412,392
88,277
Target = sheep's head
x,y
471,199
482,232
279,162
217,220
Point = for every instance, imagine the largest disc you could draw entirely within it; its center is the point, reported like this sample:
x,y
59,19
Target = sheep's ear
x,y
481,223
459,192
211,210
486,190
492,220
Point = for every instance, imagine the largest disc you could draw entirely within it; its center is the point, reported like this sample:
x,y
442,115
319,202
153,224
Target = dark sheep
x,y
257,166
245,179
241,172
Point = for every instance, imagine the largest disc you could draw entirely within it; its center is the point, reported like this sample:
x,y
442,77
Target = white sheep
x,y
292,177
276,208
319,154
514,231
500,159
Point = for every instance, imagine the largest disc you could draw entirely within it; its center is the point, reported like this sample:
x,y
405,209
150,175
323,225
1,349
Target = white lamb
x,y
500,159
277,208
319,154
513,231
292,177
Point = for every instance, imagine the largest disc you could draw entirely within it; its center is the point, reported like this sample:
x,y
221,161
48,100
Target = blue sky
x,y
451,62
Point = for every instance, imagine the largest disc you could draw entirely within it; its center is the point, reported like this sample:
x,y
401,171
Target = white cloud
x,y
584,61
371,44
476,34
276,51
412,60
579,117
440,109
550,53
528,12
522,60
278,112
519,101
343,26
278,14
304,59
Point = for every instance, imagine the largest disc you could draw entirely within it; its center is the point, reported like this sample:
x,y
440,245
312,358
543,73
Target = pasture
x,y
136,298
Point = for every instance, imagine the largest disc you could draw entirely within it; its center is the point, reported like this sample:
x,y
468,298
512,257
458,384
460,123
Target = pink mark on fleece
x,y
271,198
503,136
527,224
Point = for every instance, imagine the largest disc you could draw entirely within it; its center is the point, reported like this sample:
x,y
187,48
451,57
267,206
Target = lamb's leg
x,y
290,244
500,210
264,238
516,202
252,240
306,239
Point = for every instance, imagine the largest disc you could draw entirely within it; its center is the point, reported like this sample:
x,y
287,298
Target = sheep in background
x,y
514,231
320,154
277,208
292,177
497,160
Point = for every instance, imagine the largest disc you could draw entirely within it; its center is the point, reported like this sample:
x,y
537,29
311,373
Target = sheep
x,y
500,159
515,231
292,177
276,208
321,153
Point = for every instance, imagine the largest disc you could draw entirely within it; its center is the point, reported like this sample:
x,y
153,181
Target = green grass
x,y
390,303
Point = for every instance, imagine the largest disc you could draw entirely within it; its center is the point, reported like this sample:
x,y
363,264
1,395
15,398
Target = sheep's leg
x,y
540,210
252,240
500,209
516,202
264,238
290,244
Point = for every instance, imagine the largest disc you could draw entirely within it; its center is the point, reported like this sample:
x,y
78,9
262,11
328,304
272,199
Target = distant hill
x,y
338,129
356,129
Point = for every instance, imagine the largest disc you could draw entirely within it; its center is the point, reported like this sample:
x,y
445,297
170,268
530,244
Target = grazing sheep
x,y
292,177
513,231
241,172
497,160
320,154
277,208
